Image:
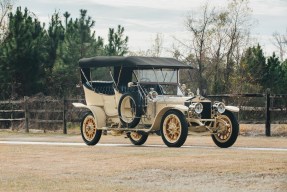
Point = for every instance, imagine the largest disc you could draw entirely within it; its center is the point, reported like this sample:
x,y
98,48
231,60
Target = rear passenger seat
x,y
104,87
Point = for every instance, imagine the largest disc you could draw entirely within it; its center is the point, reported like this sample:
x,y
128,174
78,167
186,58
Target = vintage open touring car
x,y
137,96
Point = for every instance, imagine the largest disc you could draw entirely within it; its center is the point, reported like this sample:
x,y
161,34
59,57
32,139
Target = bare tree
x,y
237,36
280,41
156,47
200,29
218,38
5,8
217,51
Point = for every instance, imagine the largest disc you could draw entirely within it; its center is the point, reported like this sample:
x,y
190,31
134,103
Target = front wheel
x,y
137,138
228,130
90,134
174,128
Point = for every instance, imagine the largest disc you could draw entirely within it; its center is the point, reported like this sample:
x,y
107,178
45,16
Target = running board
x,y
146,130
207,133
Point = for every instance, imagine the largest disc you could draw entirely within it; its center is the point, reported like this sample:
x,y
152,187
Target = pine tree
x,y
117,45
274,74
25,54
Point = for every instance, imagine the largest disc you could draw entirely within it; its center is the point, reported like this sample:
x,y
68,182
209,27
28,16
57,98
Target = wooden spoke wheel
x,y
174,128
90,134
137,138
228,130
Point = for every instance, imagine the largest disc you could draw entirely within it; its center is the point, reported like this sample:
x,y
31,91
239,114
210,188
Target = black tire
x,y
89,132
136,111
158,133
174,128
137,138
228,137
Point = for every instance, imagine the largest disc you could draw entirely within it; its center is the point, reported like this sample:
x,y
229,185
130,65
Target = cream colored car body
x,y
105,109
143,95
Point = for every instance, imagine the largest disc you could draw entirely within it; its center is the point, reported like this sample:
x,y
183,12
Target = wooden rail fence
x,y
61,112
24,111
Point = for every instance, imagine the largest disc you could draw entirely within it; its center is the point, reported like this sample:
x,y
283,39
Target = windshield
x,y
157,75
163,81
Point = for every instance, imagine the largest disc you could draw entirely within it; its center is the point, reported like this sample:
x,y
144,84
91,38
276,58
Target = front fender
x,y
98,112
160,114
232,109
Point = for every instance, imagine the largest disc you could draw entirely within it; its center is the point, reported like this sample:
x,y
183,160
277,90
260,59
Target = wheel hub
x,y
135,136
172,128
90,129
224,129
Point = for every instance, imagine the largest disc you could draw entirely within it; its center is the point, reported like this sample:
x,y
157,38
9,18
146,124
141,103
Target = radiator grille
x,y
206,113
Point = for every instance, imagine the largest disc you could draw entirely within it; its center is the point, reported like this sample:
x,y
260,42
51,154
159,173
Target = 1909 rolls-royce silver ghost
x,y
136,96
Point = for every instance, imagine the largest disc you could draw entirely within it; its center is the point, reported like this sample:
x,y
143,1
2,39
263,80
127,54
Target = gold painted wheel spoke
x,y
176,133
175,136
89,128
135,136
225,130
169,129
172,128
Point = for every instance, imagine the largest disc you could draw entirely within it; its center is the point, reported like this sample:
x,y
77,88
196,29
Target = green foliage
x,y
250,71
273,78
34,59
56,35
284,78
23,54
255,64
117,42
79,41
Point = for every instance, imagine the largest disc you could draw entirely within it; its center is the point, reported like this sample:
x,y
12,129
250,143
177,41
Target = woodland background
x,y
38,57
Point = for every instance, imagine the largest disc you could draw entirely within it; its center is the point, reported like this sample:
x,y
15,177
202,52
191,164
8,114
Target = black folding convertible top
x,y
132,62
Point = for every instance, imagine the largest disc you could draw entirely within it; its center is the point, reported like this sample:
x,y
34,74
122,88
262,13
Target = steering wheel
x,y
163,92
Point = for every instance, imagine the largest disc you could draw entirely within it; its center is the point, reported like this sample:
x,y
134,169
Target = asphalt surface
x,y
130,145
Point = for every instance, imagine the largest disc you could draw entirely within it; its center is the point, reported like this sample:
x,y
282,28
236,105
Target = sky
x,y
143,19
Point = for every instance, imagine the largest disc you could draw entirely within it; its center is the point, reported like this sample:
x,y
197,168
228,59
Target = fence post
x,y
64,116
268,115
26,114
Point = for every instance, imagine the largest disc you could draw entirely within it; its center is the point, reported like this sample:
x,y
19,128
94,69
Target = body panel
x,y
98,112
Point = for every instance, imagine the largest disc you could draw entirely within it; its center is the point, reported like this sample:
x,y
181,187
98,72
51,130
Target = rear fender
x,y
157,121
98,112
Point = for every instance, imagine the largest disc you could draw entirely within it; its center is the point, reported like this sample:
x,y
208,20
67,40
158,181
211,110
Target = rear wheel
x,y
228,130
137,138
90,134
174,128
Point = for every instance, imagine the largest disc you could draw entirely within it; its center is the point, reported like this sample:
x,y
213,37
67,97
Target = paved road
x,y
130,145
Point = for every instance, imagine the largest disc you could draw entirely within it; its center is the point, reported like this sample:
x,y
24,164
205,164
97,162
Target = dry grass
x,y
277,130
130,168
259,130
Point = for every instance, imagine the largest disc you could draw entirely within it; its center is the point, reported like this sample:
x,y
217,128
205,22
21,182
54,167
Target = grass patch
x,y
279,130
